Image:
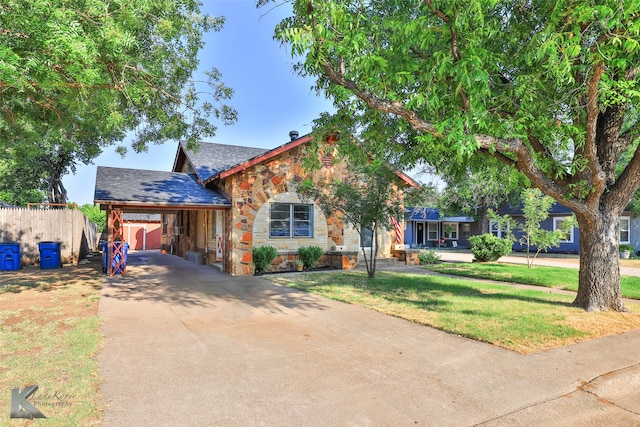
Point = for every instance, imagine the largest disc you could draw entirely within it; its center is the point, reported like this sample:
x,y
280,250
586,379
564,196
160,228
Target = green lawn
x,y
520,320
551,277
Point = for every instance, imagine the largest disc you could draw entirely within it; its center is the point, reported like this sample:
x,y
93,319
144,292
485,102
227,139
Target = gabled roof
x,y
210,159
144,188
218,161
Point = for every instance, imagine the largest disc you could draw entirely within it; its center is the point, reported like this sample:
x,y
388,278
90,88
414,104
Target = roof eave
x,y
165,205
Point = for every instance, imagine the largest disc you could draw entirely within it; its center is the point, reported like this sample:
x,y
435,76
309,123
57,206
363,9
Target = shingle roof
x,y
137,186
556,209
211,159
422,214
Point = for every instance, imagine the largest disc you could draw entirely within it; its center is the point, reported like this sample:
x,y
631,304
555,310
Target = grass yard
x,y
521,320
551,277
49,337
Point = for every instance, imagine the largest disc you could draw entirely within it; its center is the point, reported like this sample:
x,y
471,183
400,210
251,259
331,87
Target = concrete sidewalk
x,y
187,345
568,261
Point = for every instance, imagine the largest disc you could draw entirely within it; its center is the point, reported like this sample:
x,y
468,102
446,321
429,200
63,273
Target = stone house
x,y
220,201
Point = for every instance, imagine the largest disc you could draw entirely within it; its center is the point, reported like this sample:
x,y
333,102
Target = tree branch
x,y
377,103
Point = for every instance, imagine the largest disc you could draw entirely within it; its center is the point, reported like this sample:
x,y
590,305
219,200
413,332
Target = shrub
x,y
626,247
428,257
310,255
487,247
263,256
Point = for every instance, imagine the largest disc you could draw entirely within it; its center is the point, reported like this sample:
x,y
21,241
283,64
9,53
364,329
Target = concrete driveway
x,y
187,345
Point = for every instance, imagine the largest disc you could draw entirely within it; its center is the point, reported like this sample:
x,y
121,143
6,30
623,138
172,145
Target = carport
x,y
120,190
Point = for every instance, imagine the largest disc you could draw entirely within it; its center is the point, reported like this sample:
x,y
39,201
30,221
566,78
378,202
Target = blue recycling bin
x,y
9,256
117,257
49,255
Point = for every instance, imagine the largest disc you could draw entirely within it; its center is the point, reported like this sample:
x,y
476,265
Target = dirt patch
x,y
41,293
43,296
48,320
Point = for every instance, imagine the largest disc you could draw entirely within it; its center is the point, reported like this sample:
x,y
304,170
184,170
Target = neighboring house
x,y
629,230
427,228
221,201
557,214
143,231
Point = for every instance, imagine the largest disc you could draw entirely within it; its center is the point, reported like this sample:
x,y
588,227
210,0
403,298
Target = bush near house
x,y
428,257
310,256
263,256
488,248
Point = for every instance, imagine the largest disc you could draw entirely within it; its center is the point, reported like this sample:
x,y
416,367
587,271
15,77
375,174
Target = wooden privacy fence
x,y
77,235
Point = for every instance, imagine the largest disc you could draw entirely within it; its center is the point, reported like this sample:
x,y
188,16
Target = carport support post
x,y
116,232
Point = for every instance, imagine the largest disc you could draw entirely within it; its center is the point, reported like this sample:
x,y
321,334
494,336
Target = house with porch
x,y
220,201
428,228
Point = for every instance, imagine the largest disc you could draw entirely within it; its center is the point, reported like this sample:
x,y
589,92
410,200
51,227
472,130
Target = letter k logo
x,y
21,407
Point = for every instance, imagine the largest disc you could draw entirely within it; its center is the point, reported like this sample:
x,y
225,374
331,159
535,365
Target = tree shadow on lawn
x,y
435,289
31,277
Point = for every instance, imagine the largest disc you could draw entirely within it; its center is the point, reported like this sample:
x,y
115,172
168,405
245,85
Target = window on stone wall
x,y
291,220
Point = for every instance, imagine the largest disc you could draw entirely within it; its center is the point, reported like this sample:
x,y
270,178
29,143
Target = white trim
x,y
435,224
498,231
555,227
454,234
628,219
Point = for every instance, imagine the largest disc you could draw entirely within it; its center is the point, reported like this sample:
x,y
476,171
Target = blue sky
x,y
270,98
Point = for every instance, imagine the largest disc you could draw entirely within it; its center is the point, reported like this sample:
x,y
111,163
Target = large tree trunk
x,y
599,283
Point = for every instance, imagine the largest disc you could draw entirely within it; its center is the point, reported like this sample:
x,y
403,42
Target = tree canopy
x,y
78,76
548,88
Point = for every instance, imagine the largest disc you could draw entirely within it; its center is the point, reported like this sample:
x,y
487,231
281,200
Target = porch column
x,y
116,256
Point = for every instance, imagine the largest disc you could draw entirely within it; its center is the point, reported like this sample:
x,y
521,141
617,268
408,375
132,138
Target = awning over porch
x,y
148,191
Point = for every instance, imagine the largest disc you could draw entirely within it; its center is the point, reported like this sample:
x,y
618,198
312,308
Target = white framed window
x,y
557,225
450,230
432,231
290,220
498,229
625,227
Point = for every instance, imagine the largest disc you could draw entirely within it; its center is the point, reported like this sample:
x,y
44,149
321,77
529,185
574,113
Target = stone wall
x,y
251,192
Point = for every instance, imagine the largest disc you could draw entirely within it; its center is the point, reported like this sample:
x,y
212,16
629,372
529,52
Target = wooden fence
x,y
77,235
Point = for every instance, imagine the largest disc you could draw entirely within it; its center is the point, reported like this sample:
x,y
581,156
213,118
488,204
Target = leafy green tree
x,y
365,201
477,188
78,76
536,209
95,215
20,185
548,88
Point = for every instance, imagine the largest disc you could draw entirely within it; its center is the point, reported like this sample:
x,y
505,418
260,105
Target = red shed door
x,y
142,236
